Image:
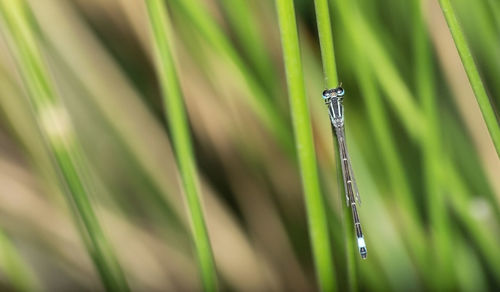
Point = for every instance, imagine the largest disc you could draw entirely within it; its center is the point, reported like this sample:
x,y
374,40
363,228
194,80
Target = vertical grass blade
x,y
178,123
331,81
318,226
326,43
472,73
58,132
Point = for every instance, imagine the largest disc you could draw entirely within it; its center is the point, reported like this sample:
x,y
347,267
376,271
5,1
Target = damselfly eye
x,y
326,94
340,91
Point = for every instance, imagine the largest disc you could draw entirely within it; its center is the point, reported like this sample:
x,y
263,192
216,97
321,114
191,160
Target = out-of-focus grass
x,y
419,158
424,84
16,270
472,72
176,113
246,30
408,212
259,101
57,130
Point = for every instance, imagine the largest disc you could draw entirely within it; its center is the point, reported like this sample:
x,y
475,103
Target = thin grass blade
x,y
178,123
465,53
331,80
318,225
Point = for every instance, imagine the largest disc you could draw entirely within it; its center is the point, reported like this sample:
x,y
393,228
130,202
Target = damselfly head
x,y
334,92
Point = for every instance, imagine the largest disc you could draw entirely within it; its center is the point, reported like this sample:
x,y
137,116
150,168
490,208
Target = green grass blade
x,y
351,248
178,122
331,81
57,130
13,265
472,73
318,226
326,43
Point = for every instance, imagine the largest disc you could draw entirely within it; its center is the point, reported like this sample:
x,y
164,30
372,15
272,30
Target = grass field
x,y
184,145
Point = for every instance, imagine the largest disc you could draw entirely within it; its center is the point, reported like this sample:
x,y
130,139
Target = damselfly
x,y
333,99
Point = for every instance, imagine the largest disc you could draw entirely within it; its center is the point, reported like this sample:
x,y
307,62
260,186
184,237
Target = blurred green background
x,y
426,168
